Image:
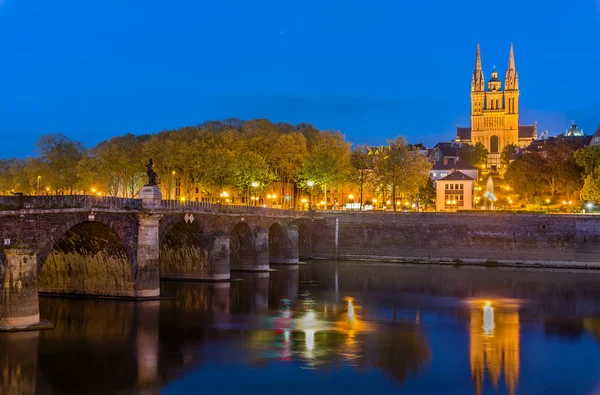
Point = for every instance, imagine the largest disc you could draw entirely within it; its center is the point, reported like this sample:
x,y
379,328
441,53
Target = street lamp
x,y
310,184
254,185
589,206
351,197
38,185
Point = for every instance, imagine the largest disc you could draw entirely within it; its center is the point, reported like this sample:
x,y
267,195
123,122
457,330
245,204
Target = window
x,y
197,190
455,186
447,186
443,175
462,186
177,192
461,197
451,186
494,144
597,139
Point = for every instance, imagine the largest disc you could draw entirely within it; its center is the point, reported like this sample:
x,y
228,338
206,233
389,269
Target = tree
x,y
215,168
115,166
591,186
360,161
560,170
426,194
524,175
401,169
250,167
588,158
6,180
475,155
507,153
57,164
328,160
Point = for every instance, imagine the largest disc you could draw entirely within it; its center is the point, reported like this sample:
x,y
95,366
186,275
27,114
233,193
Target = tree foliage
x,y
591,186
400,169
507,153
475,155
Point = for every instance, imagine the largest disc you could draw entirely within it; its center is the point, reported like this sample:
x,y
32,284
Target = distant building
x,y
495,113
574,131
596,138
449,165
443,151
573,136
455,192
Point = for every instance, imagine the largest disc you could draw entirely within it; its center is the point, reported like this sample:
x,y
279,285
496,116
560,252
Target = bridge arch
x,y
188,251
277,243
89,257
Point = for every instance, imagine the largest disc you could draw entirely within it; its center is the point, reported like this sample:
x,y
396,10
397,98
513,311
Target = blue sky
x,y
371,69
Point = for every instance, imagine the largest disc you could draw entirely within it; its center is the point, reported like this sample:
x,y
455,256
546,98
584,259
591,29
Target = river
x,y
323,328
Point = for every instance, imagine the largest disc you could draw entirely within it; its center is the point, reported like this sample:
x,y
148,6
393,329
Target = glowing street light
x,y
255,184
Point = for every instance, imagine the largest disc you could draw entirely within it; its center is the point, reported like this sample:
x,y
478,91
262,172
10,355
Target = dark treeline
x,y
241,157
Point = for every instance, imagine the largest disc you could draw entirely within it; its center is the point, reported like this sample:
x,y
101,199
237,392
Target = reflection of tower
x,y
18,362
146,314
284,284
494,346
252,294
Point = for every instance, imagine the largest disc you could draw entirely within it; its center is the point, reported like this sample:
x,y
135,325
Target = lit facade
x,y
454,192
495,112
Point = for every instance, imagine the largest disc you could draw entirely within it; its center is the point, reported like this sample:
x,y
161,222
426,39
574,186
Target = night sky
x,y
371,69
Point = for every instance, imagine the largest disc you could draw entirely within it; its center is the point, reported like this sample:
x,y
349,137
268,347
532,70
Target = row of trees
x,y
217,156
562,169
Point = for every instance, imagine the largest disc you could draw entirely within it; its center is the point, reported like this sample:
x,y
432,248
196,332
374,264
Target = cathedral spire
x,y
511,58
512,78
477,81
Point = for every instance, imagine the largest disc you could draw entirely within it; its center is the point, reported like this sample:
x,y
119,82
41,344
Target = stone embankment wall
x,y
558,240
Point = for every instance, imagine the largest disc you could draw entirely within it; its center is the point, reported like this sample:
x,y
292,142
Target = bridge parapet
x,y
58,202
214,208
67,201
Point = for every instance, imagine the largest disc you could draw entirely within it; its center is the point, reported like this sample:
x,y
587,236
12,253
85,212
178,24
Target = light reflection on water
x,y
417,329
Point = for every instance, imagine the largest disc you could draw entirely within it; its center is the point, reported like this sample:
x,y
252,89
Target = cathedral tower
x,y
495,112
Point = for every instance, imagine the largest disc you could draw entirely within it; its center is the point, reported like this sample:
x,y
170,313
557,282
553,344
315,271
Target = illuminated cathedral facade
x,y
495,112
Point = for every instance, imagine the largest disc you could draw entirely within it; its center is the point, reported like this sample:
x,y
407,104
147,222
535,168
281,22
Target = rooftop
x,y
457,176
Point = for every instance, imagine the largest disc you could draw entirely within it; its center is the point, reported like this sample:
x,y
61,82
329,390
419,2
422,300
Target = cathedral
x,y
495,112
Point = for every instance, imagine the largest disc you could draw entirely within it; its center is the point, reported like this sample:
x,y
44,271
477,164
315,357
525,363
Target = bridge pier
x,y
291,252
261,246
20,306
147,277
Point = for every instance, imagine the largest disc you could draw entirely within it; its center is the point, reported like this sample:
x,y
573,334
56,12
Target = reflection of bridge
x,y
100,246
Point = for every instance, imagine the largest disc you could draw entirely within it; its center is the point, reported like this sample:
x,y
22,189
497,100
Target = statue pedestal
x,y
151,197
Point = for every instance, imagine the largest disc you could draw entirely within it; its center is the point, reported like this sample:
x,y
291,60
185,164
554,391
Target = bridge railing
x,y
67,201
107,202
227,208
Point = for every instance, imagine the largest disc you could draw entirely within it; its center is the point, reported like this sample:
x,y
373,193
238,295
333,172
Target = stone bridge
x,y
112,247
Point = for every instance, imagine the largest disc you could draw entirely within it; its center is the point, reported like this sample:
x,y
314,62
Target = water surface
x,y
325,327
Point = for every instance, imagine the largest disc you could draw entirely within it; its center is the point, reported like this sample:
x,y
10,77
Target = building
x,y
573,137
596,138
449,165
443,151
495,112
454,192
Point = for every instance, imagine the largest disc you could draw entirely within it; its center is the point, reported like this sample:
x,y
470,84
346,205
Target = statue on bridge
x,y
152,176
